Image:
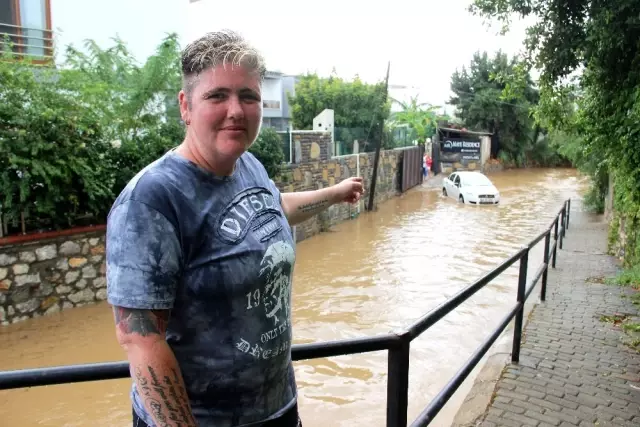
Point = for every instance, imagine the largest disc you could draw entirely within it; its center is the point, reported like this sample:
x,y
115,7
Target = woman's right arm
x,y
153,366
144,260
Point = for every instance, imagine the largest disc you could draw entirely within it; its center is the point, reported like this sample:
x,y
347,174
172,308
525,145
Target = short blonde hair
x,y
224,47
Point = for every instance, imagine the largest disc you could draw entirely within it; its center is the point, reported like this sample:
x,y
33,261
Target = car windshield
x,y
476,179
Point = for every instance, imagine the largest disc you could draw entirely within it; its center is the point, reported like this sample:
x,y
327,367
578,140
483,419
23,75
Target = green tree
x,y
419,117
597,41
268,149
359,108
129,97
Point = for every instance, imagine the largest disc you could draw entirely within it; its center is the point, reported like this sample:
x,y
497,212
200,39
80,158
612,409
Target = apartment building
x,y
275,102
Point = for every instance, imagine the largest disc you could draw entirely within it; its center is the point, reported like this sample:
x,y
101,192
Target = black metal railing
x,y
397,344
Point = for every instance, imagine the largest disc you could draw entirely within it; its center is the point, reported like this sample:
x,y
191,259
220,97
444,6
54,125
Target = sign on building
x,y
460,150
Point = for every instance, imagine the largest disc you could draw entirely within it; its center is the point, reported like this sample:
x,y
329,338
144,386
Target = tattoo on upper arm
x,y
143,322
313,206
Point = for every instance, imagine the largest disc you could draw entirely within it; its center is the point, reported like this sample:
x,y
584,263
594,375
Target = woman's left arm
x,y
302,205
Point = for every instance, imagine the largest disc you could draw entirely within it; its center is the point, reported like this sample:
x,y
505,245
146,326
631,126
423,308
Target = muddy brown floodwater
x,y
369,276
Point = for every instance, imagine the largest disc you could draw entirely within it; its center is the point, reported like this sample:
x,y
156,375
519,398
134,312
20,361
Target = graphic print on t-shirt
x,y
272,300
253,210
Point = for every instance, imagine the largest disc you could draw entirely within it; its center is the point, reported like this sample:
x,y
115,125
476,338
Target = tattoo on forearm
x,y
310,207
143,322
170,404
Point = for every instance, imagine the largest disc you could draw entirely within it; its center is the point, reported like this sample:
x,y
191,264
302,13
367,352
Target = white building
x,y
275,102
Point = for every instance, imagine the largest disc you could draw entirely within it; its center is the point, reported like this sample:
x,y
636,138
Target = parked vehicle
x,y
471,188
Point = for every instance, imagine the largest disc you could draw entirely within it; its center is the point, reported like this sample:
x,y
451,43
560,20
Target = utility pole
x,y
376,160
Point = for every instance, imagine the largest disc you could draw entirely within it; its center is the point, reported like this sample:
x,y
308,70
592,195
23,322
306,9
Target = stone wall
x,y
608,200
448,168
45,276
314,175
622,240
492,166
311,146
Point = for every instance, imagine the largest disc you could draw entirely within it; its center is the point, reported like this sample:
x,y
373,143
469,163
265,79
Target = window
x,y
476,179
271,104
27,23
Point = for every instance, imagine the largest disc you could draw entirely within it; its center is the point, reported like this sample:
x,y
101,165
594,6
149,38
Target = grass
x,y
615,319
628,278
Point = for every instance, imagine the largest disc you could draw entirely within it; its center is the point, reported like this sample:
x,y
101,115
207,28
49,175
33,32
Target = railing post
x,y
398,384
555,247
568,212
517,330
547,244
563,213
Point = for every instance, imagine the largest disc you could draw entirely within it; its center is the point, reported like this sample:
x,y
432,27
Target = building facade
x,y
275,102
26,24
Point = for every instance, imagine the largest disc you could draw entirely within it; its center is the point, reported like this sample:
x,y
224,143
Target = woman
x,y
200,258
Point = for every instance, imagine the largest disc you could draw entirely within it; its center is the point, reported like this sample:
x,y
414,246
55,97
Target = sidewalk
x,y
574,368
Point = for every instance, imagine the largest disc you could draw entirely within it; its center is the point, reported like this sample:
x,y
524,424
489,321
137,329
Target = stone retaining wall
x,y
43,277
321,174
311,146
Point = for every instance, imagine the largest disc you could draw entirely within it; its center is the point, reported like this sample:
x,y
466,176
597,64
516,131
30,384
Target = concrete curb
x,y
491,367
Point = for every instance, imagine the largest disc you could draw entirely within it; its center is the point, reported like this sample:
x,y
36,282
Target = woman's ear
x,y
184,107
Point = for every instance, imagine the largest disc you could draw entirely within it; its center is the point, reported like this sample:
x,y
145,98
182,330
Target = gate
x,y
412,167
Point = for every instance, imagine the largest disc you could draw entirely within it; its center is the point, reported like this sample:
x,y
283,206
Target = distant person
x,y
200,258
426,166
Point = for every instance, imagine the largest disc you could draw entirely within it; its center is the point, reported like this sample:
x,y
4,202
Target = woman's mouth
x,y
234,129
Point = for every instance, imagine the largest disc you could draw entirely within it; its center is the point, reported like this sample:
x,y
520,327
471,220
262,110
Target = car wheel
x,y
461,198
444,191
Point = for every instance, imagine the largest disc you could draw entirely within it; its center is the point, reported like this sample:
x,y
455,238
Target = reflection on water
x,y
371,275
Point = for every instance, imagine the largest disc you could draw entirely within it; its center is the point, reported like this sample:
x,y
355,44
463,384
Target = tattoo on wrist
x,y
310,207
169,404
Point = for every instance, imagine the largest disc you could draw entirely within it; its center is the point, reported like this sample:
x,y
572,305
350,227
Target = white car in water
x,y
471,188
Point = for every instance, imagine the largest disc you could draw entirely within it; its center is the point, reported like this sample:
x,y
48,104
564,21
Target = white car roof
x,y
463,173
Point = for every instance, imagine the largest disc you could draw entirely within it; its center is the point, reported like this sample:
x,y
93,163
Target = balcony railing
x,y
27,43
397,344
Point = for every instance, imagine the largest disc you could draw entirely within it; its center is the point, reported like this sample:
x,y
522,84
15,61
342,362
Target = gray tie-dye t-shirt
x,y
219,253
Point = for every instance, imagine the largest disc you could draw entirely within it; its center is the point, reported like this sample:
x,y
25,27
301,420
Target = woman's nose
x,y
234,107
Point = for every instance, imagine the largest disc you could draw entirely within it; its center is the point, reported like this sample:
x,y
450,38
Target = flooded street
x,y
369,276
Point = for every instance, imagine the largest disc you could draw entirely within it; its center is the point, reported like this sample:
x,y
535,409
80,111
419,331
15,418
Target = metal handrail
x,y
397,344
20,27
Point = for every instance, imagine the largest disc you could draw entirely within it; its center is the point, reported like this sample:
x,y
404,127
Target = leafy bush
x,y
72,137
50,145
268,149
